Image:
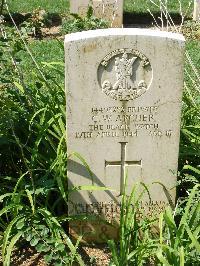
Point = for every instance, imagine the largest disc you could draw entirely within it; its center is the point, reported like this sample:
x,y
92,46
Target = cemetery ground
x,y
33,155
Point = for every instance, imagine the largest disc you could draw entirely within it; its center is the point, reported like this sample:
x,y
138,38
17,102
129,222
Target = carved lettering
x,y
84,135
118,127
168,133
107,134
121,109
96,127
135,118
130,134
111,210
156,133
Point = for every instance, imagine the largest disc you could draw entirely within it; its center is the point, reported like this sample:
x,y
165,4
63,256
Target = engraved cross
x,y
123,163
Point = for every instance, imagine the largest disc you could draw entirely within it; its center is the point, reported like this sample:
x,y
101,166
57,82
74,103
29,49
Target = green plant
x,y
191,30
1,7
33,26
179,244
190,121
33,156
135,237
38,227
79,23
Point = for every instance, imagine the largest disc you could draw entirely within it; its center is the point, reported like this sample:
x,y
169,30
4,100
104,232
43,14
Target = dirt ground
x,y
91,255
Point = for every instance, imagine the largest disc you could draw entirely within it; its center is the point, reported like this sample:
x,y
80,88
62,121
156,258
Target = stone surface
x,y
196,13
110,10
123,89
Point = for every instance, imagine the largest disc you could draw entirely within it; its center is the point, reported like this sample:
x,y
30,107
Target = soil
x,y
92,256
26,257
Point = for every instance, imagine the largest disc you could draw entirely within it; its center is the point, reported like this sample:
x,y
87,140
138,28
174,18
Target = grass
x,y
142,5
52,6
193,46
43,51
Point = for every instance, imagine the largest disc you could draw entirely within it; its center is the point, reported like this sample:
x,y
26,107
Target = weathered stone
x,y
196,13
110,10
123,89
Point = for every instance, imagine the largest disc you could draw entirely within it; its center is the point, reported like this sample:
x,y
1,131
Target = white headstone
x,y
110,10
196,14
124,89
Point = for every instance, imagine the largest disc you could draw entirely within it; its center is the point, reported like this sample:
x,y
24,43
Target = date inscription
x,y
120,121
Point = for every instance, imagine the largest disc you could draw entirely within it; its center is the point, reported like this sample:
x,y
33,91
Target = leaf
x,y
93,188
9,208
18,182
7,234
34,116
4,196
20,87
189,204
31,200
48,257
168,217
29,237
89,12
195,170
34,241
67,240
195,242
51,64
42,247
58,263
76,16
20,224
162,258
60,246
182,260
161,227
13,241
113,249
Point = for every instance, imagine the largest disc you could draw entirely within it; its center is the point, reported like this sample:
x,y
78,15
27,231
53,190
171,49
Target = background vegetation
x,y
33,190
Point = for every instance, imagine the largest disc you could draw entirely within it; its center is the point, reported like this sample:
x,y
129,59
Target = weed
x,y
33,26
135,245
78,23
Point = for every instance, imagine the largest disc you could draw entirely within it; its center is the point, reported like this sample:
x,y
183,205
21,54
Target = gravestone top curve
x,y
123,32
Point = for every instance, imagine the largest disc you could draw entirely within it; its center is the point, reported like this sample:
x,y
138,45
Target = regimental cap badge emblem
x,y
125,74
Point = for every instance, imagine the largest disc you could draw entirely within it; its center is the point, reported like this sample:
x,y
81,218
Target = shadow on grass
x,y
146,19
50,19
130,19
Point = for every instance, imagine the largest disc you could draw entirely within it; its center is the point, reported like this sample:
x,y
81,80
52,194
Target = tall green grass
x,y
136,244
33,177
170,238
179,242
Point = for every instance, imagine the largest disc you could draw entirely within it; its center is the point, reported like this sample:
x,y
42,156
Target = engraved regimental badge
x,y
125,74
